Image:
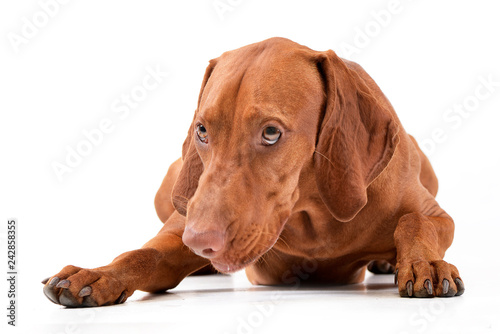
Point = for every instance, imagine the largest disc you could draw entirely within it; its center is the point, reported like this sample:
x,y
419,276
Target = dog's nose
x,y
207,243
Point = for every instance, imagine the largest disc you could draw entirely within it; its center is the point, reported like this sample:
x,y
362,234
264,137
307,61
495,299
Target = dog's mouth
x,y
227,268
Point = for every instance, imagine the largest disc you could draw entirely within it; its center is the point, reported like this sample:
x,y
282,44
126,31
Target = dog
x,y
295,161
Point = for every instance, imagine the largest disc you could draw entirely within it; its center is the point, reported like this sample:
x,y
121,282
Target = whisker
x,y
193,153
324,156
180,196
282,239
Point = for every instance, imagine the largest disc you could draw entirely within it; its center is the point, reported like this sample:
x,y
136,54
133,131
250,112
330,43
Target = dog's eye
x,y
201,131
270,135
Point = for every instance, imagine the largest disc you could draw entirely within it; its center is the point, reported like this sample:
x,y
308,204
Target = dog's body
x,y
295,167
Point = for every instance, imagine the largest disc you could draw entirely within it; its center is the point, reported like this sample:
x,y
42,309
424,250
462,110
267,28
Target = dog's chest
x,y
315,233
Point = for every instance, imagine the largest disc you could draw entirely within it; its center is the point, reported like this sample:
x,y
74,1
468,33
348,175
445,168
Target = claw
x,y
67,299
396,276
54,281
428,287
409,288
446,286
45,280
64,284
85,291
121,299
460,286
51,294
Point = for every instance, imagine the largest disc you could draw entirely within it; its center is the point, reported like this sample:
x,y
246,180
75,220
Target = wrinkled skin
x,y
252,187
343,187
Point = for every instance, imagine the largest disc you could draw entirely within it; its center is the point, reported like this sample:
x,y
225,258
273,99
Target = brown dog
x,y
295,161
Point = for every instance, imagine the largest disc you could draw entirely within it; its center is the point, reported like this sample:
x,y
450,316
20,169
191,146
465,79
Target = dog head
x,y
265,111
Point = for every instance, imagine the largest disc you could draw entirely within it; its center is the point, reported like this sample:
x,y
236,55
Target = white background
x,y
427,56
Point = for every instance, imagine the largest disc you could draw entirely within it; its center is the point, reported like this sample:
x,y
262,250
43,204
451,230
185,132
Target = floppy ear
x,y
192,166
357,138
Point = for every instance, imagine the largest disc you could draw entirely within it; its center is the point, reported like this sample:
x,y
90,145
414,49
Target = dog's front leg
x,y
159,265
421,241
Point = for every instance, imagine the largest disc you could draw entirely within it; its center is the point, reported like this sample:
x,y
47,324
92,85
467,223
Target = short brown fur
x,y
344,187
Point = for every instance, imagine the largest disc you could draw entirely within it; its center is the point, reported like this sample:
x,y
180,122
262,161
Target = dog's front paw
x,y
77,287
428,279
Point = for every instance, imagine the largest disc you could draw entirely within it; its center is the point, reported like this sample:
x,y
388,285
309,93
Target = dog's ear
x,y
192,166
356,140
